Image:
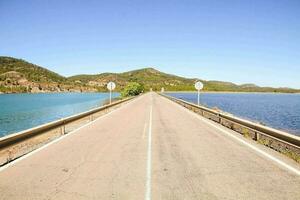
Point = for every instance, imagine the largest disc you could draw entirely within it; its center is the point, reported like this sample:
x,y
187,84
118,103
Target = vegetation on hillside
x,y
17,75
152,78
29,71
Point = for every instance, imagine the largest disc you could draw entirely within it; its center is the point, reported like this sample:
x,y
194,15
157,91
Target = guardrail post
x,y
219,118
63,129
257,136
9,156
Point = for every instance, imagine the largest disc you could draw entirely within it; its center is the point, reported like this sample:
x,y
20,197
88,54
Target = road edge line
x,y
256,149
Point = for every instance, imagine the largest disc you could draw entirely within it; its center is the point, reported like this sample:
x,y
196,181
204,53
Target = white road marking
x,y
148,171
223,130
292,169
64,136
144,131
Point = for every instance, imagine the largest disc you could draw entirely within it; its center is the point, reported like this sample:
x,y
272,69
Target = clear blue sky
x,y
254,41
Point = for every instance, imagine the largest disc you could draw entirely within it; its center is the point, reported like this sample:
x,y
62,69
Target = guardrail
x,y
26,134
279,140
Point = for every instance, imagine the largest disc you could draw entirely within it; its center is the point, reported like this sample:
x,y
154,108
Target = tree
x,y
132,89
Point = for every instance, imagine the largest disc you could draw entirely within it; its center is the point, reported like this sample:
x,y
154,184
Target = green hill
x,y
149,77
29,71
152,78
17,75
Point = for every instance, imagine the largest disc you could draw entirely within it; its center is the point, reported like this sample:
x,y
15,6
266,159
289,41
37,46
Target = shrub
x,y
132,89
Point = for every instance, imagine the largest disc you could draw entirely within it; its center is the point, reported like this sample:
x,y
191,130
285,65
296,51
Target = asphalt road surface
x,y
151,148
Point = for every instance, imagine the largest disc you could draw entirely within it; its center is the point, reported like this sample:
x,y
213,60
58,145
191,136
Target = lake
x,y
280,111
22,111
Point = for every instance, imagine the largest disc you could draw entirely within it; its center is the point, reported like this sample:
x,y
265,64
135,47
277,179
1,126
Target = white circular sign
x,y
199,85
111,86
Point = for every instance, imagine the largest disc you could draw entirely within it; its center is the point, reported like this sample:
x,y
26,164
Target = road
x,y
151,148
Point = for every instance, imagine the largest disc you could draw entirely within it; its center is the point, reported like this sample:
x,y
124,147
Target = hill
x,y
149,77
17,75
152,78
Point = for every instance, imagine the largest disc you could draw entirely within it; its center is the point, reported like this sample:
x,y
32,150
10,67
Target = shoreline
x,y
231,92
224,92
59,92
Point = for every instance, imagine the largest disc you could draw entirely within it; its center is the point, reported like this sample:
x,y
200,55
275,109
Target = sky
x,y
251,41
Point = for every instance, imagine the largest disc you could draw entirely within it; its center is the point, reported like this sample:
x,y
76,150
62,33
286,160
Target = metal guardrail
x,y
254,127
26,134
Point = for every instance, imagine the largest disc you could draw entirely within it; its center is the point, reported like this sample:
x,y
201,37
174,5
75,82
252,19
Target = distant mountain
x,y
17,75
152,78
149,77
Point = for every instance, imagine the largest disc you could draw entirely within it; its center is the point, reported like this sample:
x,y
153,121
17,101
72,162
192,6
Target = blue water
x,y
22,111
280,111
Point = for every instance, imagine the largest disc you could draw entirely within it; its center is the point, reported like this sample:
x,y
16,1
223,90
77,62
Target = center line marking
x,y
148,172
144,131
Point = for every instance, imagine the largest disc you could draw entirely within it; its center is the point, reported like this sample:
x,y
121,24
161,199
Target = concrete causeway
x,y
151,148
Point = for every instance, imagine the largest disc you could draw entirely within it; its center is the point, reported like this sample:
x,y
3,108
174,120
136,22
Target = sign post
x,y
110,86
198,86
